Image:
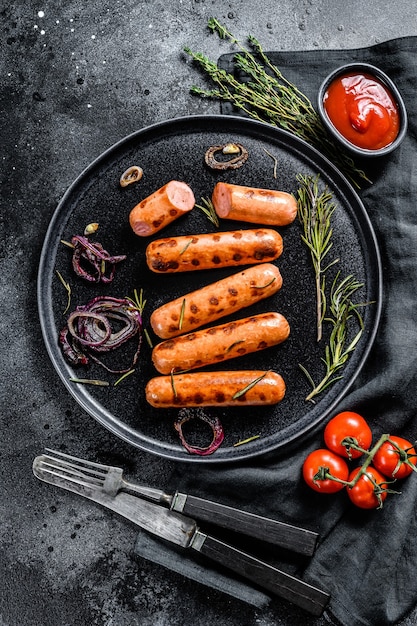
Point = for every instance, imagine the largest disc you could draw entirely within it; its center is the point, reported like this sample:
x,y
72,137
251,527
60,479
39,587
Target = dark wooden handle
x,y
270,578
293,538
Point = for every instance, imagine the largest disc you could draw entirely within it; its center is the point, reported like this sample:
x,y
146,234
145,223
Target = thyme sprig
x,y
343,312
267,96
315,210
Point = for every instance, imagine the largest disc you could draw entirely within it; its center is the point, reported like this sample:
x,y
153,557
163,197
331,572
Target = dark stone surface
x,y
75,78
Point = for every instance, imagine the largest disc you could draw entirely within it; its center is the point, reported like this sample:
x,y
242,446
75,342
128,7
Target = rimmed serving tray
x,y
175,150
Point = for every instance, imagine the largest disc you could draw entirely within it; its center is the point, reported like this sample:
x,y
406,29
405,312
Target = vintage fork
x,y
109,480
98,476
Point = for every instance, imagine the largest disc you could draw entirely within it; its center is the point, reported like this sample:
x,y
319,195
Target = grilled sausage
x,y
249,204
211,250
216,389
220,343
216,300
161,208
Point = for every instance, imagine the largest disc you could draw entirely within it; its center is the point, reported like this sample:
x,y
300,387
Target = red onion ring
x,y
101,265
90,329
213,422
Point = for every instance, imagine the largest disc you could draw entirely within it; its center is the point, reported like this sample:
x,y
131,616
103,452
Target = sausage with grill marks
x,y
220,343
249,204
220,389
216,300
211,250
161,208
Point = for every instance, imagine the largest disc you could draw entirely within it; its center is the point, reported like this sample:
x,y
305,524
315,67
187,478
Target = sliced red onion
x,y
90,329
213,422
101,265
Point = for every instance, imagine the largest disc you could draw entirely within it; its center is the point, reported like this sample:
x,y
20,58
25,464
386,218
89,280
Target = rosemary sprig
x,y
67,243
186,246
266,284
343,312
90,381
137,301
315,209
242,442
233,345
248,387
174,391
68,290
122,377
182,313
269,97
208,209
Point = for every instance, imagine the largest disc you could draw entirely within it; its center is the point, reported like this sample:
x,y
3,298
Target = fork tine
x,y
75,468
74,477
75,459
67,470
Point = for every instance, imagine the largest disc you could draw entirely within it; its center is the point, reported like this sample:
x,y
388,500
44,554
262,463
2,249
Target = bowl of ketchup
x,y
363,109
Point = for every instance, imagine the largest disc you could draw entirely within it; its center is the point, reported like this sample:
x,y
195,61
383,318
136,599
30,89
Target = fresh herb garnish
x,y
174,391
182,313
264,286
315,209
125,375
244,441
242,392
186,246
269,97
233,345
343,313
67,243
275,160
68,290
138,302
90,381
208,209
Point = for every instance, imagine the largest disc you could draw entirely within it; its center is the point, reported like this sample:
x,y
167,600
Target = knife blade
x,y
183,531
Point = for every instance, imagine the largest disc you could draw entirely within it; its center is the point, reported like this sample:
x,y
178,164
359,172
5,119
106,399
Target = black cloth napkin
x,y
367,561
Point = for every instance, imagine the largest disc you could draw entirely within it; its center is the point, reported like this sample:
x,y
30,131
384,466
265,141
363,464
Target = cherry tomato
x,y
345,429
366,494
319,466
396,458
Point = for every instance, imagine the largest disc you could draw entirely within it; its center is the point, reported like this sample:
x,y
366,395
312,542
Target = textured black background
x,y
75,79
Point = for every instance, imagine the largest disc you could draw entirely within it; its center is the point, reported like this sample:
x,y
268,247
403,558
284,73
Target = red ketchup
x,y
363,110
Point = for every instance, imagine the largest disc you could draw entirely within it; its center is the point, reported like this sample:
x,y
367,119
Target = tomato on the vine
x,y
345,430
396,457
320,466
370,491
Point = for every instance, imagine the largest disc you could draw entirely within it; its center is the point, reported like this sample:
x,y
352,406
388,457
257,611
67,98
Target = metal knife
x,y
183,531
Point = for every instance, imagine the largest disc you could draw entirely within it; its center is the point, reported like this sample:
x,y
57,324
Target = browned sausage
x,y
211,250
216,389
216,300
249,204
161,208
220,343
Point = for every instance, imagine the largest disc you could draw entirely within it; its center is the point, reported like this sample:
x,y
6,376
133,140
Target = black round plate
x,y
175,150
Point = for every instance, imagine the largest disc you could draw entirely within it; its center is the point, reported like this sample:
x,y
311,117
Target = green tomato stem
x,y
323,471
369,458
